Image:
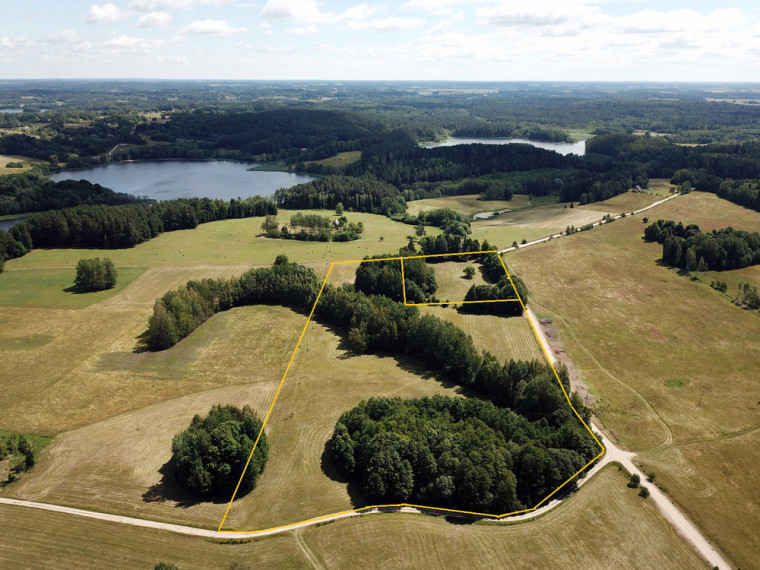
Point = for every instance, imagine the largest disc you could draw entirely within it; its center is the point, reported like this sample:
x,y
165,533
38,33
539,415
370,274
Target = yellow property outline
x,y
401,505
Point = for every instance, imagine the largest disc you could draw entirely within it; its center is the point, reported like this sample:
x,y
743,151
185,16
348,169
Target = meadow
x,y
605,525
671,362
468,204
26,162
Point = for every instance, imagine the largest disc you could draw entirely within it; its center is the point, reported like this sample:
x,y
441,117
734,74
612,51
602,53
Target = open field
x,y
504,337
667,357
25,160
660,186
234,242
53,288
468,205
65,368
452,284
541,221
340,160
603,526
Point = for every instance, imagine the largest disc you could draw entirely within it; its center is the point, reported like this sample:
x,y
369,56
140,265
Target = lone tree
x,y
209,457
469,272
95,274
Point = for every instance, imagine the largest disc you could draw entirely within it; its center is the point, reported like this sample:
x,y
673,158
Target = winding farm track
x,y
681,523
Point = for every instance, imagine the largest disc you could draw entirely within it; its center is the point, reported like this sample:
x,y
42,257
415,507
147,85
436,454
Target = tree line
x,y
33,192
689,248
110,227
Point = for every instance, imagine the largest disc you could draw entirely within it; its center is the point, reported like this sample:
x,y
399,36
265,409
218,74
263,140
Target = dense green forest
x,y
456,453
33,192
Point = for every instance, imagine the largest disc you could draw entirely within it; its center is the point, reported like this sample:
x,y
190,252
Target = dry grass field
x,y
24,160
542,221
606,525
667,357
504,337
468,204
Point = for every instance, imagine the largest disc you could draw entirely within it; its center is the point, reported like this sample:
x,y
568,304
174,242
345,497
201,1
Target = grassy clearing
x,y
235,242
468,205
452,284
24,160
633,326
605,525
660,186
628,202
37,441
504,337
340,160
53,288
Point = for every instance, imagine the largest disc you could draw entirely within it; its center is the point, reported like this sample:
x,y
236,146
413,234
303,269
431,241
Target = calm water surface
x,y
578,148
171,179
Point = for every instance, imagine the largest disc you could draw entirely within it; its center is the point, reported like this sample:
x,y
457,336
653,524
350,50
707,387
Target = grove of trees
x,y
209,457
95,274
690,249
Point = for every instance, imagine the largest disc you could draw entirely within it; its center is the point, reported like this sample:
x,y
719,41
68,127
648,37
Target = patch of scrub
x,y
676,383
25,342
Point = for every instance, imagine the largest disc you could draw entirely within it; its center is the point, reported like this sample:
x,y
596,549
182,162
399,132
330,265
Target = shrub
x,y
634,481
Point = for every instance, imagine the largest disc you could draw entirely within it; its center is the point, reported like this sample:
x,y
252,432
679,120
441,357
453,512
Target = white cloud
x,y
308,12
216,28
386,24
217,3
69,36
105,14
304,31
13,43
154,20
160,5
291,9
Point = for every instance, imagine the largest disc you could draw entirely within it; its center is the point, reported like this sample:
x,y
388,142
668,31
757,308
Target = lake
x,y
9,223
171,179
578,148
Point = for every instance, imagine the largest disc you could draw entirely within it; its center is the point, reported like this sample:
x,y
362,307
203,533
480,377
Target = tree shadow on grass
x,y
76,290
169,490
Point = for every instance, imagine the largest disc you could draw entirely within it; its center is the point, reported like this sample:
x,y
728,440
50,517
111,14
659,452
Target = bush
x,y
95,274
209,457
644,492
634,481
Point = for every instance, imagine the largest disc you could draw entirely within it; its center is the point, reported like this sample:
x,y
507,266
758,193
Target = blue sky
x,y
493,40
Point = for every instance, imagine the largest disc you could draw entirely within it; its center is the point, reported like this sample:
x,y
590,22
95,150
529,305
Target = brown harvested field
x,y
666,356
605,525
38,539
719,481
504,337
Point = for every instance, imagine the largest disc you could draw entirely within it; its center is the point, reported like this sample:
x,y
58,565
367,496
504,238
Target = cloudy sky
x,y
499,40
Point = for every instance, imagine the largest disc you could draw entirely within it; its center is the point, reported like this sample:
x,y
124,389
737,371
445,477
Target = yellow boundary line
x,y
408,505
